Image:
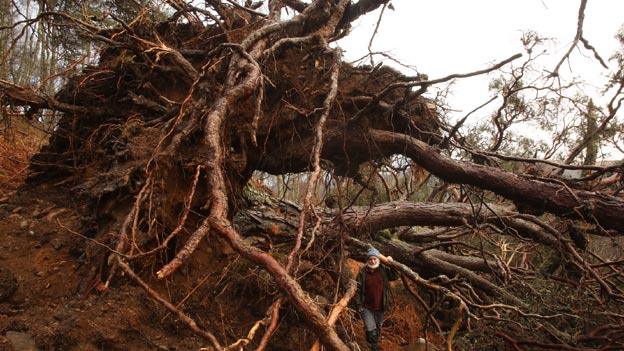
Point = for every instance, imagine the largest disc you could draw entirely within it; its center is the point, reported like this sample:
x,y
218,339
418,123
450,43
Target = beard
x,y
372,266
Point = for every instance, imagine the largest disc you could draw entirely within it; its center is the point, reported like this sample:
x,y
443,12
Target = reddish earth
x,y
54,300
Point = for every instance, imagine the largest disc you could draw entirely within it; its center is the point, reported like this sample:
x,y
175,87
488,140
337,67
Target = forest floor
x,y
52,298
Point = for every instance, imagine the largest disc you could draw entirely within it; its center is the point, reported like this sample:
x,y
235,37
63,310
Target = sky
x,y
442,37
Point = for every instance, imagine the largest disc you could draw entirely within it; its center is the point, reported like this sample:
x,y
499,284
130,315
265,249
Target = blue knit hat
x,y
372,252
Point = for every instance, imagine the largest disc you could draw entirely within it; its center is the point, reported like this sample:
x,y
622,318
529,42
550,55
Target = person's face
x,y
373,260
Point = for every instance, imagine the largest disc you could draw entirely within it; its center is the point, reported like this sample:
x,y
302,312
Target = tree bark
x,y
405,213
552,197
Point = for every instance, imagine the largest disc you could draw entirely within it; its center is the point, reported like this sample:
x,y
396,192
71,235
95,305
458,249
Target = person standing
x,y
372,298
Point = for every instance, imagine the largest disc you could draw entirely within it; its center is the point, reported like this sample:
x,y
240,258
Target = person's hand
x,y
386,259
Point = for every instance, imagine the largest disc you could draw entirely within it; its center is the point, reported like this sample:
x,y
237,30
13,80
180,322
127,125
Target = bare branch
x,y
579,37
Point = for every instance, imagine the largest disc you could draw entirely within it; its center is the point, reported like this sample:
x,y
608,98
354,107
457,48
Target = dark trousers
x,y
372,323
372,319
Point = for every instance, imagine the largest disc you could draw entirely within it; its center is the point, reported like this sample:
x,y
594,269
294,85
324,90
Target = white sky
x,y
440,37
454,36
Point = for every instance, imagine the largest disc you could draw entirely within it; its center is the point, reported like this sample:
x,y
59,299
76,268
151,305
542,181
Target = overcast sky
x,y
441,37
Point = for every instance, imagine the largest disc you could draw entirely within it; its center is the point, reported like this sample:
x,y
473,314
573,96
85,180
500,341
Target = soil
x,y
45,290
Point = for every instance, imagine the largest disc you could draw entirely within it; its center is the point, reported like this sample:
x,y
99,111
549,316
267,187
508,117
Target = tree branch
x,y
555,198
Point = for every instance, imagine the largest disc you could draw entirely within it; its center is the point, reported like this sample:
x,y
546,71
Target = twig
x,y
251,11
337,309
154,295
577,37
455,328
273,317
459,123
241,343
90,239
370,42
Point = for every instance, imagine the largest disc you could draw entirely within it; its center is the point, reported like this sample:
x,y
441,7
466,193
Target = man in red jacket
x,y
373,296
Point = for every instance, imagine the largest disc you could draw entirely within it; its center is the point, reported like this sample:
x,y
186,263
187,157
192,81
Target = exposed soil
x,y
58,298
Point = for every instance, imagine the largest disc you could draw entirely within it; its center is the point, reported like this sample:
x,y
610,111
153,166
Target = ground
x,y
54,301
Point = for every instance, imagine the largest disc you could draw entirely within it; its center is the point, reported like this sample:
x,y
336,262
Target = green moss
x,y
256,196
386,234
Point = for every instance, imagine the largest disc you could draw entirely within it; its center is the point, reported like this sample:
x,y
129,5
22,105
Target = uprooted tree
x,y
160,139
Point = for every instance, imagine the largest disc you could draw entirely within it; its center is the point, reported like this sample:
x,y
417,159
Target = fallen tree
x,y
161,138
